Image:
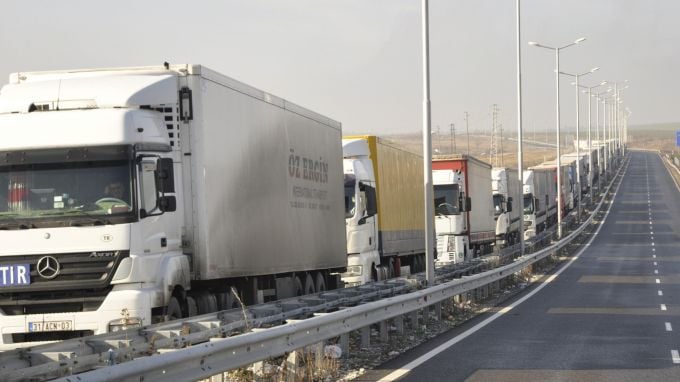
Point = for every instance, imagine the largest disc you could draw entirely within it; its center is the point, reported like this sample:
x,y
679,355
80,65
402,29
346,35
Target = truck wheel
x,y
192,310
206,303
174,310
298,286
309,284
320,282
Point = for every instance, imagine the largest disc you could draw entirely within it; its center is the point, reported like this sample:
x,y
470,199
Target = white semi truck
x,y
540,207
152,192
384,210
507,193
464,211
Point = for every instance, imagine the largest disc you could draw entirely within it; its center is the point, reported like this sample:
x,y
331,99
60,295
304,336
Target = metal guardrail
x,y
265,330
221,354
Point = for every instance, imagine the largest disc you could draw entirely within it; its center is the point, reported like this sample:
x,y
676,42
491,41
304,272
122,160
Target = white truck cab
x,y
450,220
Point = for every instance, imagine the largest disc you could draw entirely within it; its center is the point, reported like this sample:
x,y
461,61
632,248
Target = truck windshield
x,y
446,199
528,204
350,195
72,193
498,204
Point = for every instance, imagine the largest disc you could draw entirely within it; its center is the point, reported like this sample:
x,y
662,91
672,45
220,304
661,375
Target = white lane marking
x,y
652,244
653,249
663,306
660,292
655,263
676,356
398,373
656,271
669,328
652,238
658,281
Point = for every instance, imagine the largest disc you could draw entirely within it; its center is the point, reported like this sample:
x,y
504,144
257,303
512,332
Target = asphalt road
x,y
613,314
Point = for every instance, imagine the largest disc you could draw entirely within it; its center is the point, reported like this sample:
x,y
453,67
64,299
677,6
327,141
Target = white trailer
x,y
464,210
507,195
540,207
152,192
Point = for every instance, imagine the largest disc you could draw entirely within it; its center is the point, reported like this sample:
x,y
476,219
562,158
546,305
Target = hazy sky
x,y
359,61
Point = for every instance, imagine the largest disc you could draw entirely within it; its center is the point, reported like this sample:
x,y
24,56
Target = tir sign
x,y
15,274
677,138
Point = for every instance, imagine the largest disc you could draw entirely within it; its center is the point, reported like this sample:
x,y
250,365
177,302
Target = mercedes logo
x,y
48,267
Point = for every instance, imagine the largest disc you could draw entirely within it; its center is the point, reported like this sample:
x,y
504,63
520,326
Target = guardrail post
x,y
438,311
318,355
414,320
258,372
217,378
344,345
384,331
399,324
365,336
292,366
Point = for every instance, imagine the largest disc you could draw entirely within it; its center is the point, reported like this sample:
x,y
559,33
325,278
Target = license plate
x,y
50,326
15,274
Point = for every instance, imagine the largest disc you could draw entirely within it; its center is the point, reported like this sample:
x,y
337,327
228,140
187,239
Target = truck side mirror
x,y
371,201
167,204
166,175
468,204
509,204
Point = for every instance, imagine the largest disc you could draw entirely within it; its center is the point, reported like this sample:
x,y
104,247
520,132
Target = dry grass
x,y
654,137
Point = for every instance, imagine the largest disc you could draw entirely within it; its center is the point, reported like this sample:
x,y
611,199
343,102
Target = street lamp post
x,y
589,91
619,124
520,157
557,123
427,152
601,164
578,138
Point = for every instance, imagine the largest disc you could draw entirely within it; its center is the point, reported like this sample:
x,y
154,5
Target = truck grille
x,y
83,281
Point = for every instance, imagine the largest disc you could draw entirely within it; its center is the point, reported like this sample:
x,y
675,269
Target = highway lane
x,y
613,314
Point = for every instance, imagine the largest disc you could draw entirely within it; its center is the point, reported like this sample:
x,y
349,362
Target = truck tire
x,y
299,291
320,282
206,303
192,310
309,284
173,310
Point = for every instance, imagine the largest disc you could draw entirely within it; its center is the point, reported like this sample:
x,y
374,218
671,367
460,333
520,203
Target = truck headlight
x,y
125,324
354,270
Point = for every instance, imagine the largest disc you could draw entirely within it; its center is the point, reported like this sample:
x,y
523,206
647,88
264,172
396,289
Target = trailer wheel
x,y
299,291
309,284
192,310
320,282
206,303
174,310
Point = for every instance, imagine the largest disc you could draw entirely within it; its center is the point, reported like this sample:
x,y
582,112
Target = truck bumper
x,y
360,268
138,303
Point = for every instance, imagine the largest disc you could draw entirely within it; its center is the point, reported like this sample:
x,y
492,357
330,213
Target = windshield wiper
x,y
88,218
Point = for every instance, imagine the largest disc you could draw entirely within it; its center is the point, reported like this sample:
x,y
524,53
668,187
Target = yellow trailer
x,y
390,234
